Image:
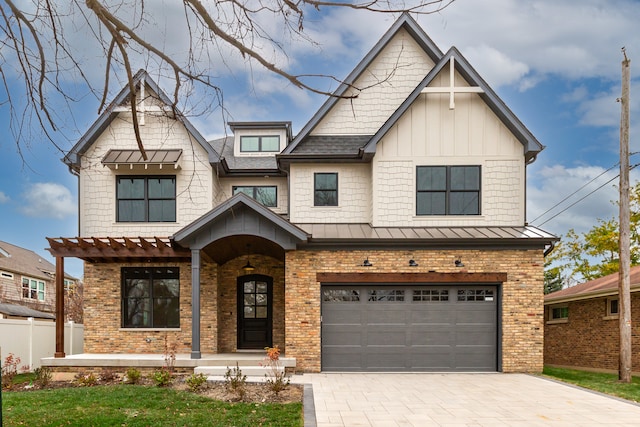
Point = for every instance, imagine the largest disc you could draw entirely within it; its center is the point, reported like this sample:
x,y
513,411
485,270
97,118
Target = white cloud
x,y
496,67
560,37
48,200
3,197
555,185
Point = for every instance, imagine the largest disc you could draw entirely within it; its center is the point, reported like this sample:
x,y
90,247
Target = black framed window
x,y
267,195
448,190
260,144
146,198
150,297
325,189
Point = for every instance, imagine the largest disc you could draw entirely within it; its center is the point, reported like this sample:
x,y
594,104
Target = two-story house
x,y
388,235
27,287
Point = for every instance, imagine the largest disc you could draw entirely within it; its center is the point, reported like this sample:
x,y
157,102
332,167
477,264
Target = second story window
x,y
325,189
32,289
265,194
146,198
448,190
260,144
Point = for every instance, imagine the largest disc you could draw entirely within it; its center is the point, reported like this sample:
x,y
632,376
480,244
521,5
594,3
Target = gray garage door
x,y
409,328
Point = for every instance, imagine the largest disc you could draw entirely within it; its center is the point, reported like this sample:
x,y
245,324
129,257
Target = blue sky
x,y
556,64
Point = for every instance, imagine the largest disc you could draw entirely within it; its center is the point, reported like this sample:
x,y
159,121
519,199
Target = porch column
x,y
59,307
195,304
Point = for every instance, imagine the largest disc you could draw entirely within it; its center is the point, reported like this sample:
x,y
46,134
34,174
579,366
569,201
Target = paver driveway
x,y
388,400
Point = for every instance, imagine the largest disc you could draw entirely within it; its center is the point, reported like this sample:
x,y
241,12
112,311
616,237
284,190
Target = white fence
x,y
31,340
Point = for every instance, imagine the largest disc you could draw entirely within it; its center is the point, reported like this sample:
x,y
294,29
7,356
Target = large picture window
x,y
150,297
325,190
146,198
448,190
260,144
267,195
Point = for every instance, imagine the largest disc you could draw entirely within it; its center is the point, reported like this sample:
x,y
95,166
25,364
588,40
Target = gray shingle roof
x,y
24,261
224,146
332,144
21,311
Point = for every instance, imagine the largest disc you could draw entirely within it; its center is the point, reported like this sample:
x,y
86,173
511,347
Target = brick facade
x,y
522,297
590,339
297,302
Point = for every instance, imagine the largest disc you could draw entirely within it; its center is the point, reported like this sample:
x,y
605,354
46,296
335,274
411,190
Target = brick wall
x,y
589,339
522,302
102,313
227,295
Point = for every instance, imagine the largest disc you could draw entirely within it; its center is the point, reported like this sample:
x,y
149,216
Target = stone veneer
x,y
522,296
590,339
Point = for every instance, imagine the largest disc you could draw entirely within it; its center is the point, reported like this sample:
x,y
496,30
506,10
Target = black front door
x,y
255,311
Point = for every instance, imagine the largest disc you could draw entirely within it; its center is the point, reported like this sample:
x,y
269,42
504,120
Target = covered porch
x,y
223,258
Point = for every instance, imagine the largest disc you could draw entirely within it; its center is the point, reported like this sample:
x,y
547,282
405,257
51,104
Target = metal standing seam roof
x,y
154,157
606,285
365,232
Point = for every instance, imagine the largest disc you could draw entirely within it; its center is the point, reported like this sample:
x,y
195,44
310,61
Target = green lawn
x,y
604,383
128,405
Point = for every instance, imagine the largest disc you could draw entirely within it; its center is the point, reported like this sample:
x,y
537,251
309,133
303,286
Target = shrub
x,y
108,375
195,382
162,377
132,376
235,381
9,370
43,376
277,379
85,380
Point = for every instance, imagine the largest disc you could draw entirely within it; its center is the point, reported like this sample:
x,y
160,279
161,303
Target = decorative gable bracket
x,y
452,89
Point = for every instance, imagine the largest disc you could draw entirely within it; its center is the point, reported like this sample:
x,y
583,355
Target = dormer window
x,y
260,144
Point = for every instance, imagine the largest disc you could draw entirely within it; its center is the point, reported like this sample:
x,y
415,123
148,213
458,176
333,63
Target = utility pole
x,y
624,295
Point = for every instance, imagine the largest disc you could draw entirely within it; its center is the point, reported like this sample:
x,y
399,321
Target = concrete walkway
x,y
389,400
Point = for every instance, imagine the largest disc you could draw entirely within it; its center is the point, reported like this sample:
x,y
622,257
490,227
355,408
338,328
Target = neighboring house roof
x,y
18,260
306,146
72,159
21,311
603,286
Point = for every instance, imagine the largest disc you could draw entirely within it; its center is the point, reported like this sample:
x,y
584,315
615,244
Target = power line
x,y
585,196
564,199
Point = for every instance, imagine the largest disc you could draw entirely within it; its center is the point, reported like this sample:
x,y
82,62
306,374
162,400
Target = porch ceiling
x,y
231,247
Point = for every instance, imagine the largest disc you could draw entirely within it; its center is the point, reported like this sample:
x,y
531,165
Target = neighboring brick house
x,y
388,235
582,327
27,284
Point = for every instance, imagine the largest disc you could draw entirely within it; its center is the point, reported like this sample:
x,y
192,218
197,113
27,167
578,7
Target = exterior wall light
x,y
367,263
459,263
413,263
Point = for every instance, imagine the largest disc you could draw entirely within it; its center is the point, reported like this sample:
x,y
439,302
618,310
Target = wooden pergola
x,y
106,249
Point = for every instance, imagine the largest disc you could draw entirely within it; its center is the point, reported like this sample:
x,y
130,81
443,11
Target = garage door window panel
x,y
432,295
386,295
340,295
475,295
